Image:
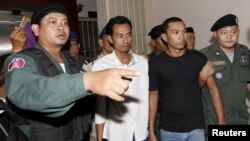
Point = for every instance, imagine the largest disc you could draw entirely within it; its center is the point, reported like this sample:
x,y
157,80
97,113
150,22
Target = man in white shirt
x,y
126,121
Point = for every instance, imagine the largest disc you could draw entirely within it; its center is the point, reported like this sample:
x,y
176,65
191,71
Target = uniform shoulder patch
x,y
16,63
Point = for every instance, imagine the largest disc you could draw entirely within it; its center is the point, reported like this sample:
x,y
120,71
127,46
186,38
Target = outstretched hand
x,y
109,82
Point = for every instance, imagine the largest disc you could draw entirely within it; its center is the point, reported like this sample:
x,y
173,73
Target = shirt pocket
x,y
244,73
222,75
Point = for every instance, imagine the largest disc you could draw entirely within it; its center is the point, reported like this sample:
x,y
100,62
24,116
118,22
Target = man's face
x,y
121,38
190,40
53,30
176,35
74,48
228,36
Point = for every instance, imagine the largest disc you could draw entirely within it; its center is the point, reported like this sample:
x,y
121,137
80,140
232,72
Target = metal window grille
x,y
89,37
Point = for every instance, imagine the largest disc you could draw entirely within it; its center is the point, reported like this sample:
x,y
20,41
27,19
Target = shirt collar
x,y
118,63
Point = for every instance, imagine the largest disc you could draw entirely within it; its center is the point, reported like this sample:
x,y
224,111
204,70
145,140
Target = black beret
x,y
102,33
190,29
46,9
227,20
156,31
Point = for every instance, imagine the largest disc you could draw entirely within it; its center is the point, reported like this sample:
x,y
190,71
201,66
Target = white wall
x,y
201,15
89,5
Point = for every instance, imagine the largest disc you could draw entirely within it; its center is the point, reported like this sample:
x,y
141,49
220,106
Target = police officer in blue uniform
x,y
231,63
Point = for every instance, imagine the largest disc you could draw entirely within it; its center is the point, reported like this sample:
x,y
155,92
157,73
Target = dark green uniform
x,y
29,90
231,78
80,61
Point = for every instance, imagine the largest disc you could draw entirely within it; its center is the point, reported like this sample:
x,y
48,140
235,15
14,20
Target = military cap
x,y
190,29
73,36
156,31
102,33
227,20
46,9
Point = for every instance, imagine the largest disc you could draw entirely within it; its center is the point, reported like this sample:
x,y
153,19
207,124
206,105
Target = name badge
x,y
219,63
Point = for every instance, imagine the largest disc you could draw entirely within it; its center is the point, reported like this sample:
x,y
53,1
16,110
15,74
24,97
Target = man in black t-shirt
x,y
174,78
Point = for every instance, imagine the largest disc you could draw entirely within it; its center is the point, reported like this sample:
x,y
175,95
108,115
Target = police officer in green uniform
x,y
45,88
231,63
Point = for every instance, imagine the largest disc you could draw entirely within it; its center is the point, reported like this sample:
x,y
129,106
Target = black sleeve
x,y
201,59
153,75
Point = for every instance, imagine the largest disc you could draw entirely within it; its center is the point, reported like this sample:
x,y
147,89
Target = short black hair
x,y
116,20
170,20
